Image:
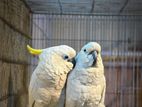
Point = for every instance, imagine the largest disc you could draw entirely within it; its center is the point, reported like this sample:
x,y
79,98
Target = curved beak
x,y
73,61
94,54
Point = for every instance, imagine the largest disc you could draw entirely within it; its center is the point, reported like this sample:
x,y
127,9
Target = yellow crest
x,y
34,51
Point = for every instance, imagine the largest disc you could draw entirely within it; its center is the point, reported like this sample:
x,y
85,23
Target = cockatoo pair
x,y
85,84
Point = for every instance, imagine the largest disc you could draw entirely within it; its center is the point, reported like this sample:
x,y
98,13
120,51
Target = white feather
x,y
48,79
86,84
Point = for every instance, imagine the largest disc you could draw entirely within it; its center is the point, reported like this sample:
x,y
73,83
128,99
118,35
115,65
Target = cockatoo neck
x,y
99,62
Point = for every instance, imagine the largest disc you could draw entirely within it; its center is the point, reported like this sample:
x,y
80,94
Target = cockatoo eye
x,y
84,50
66,57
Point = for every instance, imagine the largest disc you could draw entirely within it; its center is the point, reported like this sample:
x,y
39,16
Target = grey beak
x,y
73,61
94,54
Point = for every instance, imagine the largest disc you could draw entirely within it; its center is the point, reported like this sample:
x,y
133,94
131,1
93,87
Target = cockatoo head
x,y
59,57
88,55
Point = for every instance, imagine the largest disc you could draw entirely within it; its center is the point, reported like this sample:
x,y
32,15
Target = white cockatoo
x,y
49,77
86,82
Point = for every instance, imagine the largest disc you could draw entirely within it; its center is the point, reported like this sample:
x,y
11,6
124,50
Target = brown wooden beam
x,y
14,62
14,28
123,7
26,4
60,5
93,5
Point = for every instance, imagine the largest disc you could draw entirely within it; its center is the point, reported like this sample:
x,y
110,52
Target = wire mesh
x,y
120,38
